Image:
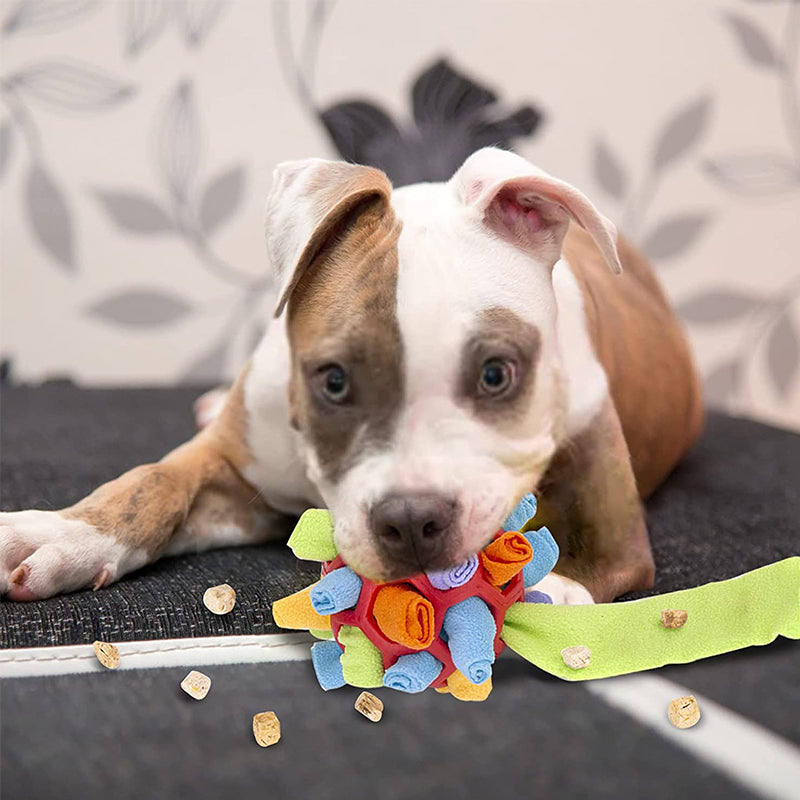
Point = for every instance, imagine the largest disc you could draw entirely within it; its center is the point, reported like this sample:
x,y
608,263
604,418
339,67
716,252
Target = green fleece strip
x,y
312,538
752,609
362,662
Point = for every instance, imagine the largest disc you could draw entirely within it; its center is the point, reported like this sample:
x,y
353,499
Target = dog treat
x,y
673,618
220,599
576,657
196,685
683,712
370,706
267,728
107,654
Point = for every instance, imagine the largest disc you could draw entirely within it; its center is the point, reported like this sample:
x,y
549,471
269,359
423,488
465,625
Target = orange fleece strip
x,y
505,557
404,616
296,611
462,689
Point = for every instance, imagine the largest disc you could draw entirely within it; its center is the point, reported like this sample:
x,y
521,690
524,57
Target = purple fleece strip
x,y
455,576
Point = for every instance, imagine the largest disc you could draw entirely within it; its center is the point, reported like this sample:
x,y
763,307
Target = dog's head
x,y
425,370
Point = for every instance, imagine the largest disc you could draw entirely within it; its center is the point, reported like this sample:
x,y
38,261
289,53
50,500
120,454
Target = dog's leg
x,y
193,499
589,501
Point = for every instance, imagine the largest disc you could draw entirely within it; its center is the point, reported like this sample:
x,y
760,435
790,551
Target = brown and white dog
x,y
438,351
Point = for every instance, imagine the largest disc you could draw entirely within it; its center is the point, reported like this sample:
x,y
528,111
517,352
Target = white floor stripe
x,y
751,755
25,663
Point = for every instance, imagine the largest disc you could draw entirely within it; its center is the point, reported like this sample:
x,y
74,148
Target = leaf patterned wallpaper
x,y
138,137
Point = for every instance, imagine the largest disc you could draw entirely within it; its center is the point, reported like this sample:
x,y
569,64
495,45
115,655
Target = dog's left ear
x,y
529,207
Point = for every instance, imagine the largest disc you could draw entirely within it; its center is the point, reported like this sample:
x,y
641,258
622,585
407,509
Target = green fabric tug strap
x,y
752,609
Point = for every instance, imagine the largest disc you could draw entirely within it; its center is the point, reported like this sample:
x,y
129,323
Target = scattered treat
x,y
220,599
673,618
684,712
576,657
107,654
196,685
370,706
267,728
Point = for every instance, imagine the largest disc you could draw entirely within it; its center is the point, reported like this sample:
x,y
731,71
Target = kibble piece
x,y
266,728
576,657
107,654
370,706
674,618
196,685
220,599
684,712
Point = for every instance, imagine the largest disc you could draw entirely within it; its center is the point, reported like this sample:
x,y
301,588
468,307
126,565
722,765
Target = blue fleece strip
x,y
337,591
413,673
545,555
525,509
470,629
326,658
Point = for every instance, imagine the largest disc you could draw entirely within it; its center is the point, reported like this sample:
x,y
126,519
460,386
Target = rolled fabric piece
x,y
404,616
296,611
312,538
505,557
327,660
519,517
470,629
462,689
455,576
545,556
362,662
413,673
336,591
534,596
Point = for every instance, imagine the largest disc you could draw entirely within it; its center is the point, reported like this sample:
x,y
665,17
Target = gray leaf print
x,y
783,355
179,142
755,174
722,383
221,198
44,15
608,171
717,305
50,216
140,308
135,212
671,237
142,21
209,366
753,41
70,86
681,132
197,17
6,144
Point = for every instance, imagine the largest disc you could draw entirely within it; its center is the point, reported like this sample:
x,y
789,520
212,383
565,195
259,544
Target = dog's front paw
x,y
43,554
563,591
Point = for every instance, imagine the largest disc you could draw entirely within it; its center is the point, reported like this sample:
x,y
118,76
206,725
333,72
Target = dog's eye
x,y
497,375
335,383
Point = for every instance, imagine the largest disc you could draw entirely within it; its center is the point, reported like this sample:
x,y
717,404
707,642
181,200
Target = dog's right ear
x,y
311,207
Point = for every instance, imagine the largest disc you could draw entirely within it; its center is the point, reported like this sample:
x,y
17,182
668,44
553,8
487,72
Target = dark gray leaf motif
x,y
70,86
140,308
722,383
755,174
717,305
135,212
783,355
682,131
354,125
753,41
209,366
142,21
179,142
6,143
44,15
608,171
197,18
50,216
671,237
440,94
221,198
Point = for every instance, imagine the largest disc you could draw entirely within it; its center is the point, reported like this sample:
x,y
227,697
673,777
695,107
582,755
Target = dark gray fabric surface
x,y
136,735
732,506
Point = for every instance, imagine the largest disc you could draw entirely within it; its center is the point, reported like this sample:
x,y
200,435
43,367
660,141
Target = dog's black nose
x,y
412,528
